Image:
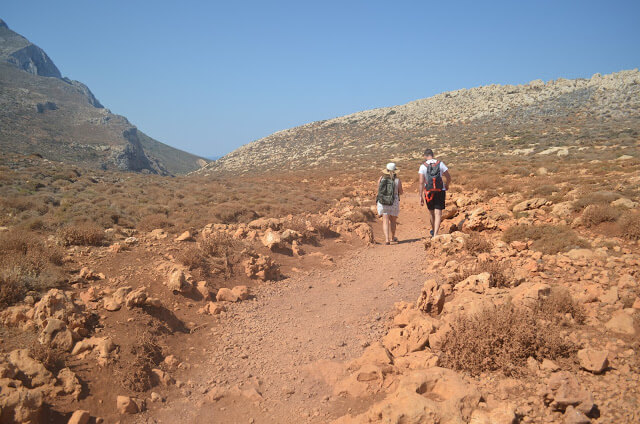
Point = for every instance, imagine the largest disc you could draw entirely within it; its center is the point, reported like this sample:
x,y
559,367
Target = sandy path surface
x,y
270,343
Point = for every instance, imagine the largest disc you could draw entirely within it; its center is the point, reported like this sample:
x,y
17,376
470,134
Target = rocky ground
x,y
522,311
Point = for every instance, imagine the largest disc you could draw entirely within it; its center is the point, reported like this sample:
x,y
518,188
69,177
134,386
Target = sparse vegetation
x,y
549,239
83,234
599,213
630,225
501,339
558,305
477,243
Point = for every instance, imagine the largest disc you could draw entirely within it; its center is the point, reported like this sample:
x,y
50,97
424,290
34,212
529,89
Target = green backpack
x,y
386,189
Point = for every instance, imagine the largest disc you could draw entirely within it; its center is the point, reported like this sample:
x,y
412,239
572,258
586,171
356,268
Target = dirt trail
x,y
269,343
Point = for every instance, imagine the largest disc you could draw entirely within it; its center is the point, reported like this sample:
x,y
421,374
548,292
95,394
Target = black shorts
x,y
438,200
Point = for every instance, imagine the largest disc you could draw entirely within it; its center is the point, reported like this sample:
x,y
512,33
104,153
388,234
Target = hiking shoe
x,y
431,233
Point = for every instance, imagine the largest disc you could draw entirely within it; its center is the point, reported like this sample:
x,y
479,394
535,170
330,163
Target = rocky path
x,y
258,357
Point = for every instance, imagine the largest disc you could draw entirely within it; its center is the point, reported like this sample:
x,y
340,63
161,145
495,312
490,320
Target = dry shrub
x,y
597,214
500,276
218,244
11,292
477,244
230,213
26,263
83,234
153,221
549,239
501,339
558,305
360,215
53,358
137,375
596,198
192,257
630,225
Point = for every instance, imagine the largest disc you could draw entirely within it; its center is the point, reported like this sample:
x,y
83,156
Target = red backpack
x,y
433,181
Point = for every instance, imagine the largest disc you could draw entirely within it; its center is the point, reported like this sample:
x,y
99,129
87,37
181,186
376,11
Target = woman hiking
x,y
388,201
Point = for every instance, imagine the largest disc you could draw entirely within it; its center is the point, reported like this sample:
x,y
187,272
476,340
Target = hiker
x,y
388,200
433,190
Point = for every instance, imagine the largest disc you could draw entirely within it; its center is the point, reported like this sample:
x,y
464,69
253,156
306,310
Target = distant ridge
x,y
508,116
43,112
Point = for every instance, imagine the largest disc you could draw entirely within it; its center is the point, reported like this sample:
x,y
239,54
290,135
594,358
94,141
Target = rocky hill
x,y
533,117
60,119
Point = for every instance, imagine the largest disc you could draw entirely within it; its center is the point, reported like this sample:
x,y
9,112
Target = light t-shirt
x,y
423,170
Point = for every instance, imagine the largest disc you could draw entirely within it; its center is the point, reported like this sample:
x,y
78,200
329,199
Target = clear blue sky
x,y
208,77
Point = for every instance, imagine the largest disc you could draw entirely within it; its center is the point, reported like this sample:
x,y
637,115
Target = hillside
x,y
534,117
42,112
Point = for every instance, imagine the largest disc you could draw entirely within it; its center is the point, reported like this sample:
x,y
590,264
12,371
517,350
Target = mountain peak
x,y
3,24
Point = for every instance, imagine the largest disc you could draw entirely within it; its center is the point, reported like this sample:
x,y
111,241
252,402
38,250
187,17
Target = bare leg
x,y
393,221
432,219
385,227
436,221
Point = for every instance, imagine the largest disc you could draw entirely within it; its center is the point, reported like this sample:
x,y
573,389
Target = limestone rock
x,y
79,417
593,360
178,282
19,404
226,295
622,323
529,204
186,236
138,297
128,405
37,374
241,292
563,390
272,240
476,283
70,383
432,297
263,268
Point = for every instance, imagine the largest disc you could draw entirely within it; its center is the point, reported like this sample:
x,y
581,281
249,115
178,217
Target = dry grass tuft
x,y
137,375
154,221
597,214
501,339
558,306
82,234
476,243
53,359
630,225
549,239
500,276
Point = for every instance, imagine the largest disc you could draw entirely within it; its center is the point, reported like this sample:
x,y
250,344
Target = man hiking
x,y
433,189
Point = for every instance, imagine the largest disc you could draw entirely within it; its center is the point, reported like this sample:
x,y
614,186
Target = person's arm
x,y
421,189
447,179
400,187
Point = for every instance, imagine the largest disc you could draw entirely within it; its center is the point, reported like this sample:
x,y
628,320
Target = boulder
x,y
186,236
476,283
272,240
263,268
432,297
436,395
57,304
178,282
410,338
79,417
529,204
226,295
34,373
138,298
127,405
622,323
19,404
623,202
563,390
69,383
57,335
213,308
573,416
241,292
593,360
